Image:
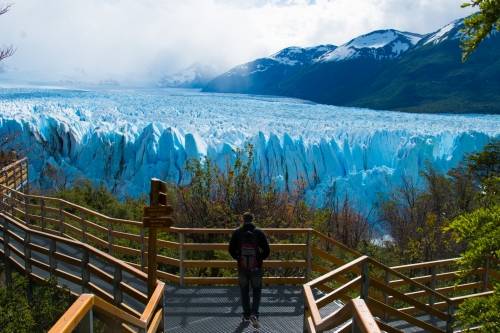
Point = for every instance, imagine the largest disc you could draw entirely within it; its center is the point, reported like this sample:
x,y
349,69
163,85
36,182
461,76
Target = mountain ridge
x,y
384,69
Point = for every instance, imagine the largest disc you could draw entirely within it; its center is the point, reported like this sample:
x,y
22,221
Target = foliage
x,y
22,312
480,231
418,219
480,24
482,312
99,198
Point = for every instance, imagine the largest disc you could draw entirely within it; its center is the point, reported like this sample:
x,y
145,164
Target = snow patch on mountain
x,y
379,44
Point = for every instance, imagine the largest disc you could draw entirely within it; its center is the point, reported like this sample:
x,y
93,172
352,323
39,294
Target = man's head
x,y
247,217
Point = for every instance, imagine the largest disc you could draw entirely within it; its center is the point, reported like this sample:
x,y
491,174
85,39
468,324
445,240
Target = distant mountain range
x,y
194,76
384,69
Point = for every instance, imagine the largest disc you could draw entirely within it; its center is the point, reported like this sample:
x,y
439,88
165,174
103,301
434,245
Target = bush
x,y
21,312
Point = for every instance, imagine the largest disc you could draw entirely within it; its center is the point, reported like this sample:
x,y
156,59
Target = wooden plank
x,y
363,318
311,305
155,323
168,276
426,264
68,276
126,250
336,318
116,312
72,317
105,276
424,307
401,315
153,302
341,270
311,328
334,295
136,294
168,260
67,259
127,235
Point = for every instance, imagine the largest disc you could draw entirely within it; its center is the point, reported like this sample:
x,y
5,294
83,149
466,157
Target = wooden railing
x,y
185,254
80,316
15,174
82,268
393,296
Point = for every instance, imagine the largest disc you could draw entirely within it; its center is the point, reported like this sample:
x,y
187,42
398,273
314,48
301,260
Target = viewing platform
x,y
313,283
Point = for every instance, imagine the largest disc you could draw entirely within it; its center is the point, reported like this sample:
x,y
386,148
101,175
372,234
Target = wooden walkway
x,y
102,260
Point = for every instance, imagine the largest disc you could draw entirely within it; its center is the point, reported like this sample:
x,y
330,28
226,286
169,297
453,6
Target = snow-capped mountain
x,y
450,31
194,76
384,69
380,44
264,75
289,57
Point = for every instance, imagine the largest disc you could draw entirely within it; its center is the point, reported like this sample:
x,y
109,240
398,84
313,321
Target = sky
x,y
140,41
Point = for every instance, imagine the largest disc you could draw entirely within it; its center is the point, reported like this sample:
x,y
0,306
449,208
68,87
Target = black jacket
x,y
236,238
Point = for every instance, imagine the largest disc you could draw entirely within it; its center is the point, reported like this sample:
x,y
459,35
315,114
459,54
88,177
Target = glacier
x,y
123,137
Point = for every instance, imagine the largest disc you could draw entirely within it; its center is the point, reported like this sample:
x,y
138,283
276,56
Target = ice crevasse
x,y
365,153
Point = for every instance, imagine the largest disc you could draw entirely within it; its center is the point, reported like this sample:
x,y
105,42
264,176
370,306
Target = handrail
x,y
127,313
362,320
62,217
86,303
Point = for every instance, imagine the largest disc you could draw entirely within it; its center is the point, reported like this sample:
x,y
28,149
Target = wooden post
x,y
432,285
485,274
143,249
306,313
61,218
85,269
26,217
309,255
42,214
52,258
386,296
110,238
86,324
449,322
27,252
181,259
83,225
6,249
156,216
364,280
152,237
117,291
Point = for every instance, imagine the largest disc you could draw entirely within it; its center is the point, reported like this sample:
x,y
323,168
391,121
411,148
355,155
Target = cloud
x,y
140,41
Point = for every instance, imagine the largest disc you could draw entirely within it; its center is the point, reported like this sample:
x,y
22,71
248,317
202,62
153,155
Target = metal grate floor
x,y
218,309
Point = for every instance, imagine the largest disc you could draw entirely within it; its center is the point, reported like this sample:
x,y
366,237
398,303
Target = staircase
x,y
103,261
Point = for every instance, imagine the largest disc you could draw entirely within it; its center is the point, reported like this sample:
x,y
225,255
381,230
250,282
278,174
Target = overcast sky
x,y
142,40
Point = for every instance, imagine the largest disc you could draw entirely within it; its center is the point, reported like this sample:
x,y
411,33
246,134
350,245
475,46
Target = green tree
x,y
479,25
480,231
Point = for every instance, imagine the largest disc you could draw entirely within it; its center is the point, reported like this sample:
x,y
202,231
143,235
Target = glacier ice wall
x,y
122,139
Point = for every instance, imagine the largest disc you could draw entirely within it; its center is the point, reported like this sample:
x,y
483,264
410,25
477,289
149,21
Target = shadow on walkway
x,y
218,309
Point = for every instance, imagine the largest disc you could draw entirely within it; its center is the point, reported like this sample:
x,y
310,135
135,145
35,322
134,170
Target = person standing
x,y
249,246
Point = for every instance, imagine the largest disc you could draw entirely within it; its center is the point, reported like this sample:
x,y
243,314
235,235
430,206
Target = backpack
x,y
249,250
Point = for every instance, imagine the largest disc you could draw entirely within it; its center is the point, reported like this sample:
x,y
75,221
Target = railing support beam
x,y
87,323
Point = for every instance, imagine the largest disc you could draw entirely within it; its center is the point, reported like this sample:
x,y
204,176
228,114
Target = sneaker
x,y
245,319
255,321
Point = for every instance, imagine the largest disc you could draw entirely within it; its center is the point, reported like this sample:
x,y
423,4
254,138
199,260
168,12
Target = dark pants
x,y
253,278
